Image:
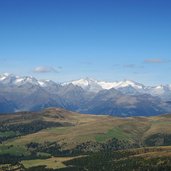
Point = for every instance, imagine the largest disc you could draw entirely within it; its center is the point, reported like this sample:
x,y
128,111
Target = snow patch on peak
x,y
87,84
159,87
94,85
133,84
42,83
19,80
47,83
121,84
2,78
83,82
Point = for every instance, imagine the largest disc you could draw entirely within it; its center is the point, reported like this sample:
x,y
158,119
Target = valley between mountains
x,y
57,139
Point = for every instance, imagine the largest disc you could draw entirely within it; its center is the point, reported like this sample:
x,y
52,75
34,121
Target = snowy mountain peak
x,y
2,77
5,75
87,84
95,85
26,80
84,82
127,83
47,83
7,78
11,80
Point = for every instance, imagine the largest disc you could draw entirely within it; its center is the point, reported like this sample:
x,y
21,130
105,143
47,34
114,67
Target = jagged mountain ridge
x,y
91,84
87,84
125,98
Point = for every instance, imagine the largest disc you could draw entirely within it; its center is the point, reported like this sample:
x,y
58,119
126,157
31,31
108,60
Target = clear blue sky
x,y
103,39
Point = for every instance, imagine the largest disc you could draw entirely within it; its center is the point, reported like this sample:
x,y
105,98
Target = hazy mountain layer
x,y
124,98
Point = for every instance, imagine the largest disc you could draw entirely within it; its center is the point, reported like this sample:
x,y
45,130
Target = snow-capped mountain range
x,y
127,86
12,80
88,84
87,95
106,85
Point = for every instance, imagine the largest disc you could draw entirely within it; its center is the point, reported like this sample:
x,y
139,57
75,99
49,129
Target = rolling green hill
x,y
55,137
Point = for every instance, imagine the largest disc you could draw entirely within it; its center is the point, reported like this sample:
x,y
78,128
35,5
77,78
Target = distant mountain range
x,y
123,98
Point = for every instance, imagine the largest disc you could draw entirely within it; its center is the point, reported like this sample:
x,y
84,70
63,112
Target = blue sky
x,y
103,39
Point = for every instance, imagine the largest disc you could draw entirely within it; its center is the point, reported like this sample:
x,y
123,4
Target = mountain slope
x,y
116,103
7,106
